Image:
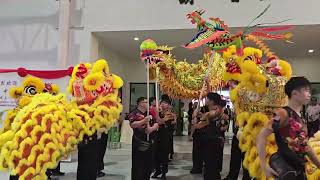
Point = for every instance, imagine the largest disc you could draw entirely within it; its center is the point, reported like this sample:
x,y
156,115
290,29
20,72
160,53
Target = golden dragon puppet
x,y
180,79
255,76
46,127
256,83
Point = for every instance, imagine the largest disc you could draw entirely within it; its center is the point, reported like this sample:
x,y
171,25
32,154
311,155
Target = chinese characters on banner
x,y
5,101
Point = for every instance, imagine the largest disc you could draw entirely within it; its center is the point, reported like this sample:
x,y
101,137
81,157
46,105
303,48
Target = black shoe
x,y
171,157
57,173
156,174
49,174
195,171
163,177
100,174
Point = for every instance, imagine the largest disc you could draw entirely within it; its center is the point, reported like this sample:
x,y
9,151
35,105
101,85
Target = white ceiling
x,y
305,38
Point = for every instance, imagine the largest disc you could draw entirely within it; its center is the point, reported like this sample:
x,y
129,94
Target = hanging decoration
x,y
43,74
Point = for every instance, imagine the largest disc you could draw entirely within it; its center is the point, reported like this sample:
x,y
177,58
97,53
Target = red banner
x,y
43,74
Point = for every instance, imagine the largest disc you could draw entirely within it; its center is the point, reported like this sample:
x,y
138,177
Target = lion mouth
x,y
153,59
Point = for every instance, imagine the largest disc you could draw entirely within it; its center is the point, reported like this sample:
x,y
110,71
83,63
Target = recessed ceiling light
x,y
310,50
136,39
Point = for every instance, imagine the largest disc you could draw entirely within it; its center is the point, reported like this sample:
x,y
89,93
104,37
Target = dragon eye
x,y
30,90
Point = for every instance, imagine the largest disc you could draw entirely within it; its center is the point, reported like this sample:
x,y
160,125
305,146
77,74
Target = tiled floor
x,y
118,164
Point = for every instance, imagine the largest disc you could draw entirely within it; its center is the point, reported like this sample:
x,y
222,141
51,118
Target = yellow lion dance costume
x,y
49,127
257,91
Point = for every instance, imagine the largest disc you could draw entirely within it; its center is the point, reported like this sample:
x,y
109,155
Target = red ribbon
x,y
43,74
276,28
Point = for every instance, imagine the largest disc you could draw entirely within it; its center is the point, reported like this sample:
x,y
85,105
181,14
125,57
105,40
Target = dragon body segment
x,y
181,79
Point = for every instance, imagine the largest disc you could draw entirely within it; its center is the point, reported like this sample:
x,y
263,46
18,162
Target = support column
x,y
64,32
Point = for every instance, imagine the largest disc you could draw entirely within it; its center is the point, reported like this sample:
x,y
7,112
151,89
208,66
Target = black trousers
x,y
57,169
197,152
235,162
171,149
88,160
162,143
211,156
13,177
141,163
220,156
102,147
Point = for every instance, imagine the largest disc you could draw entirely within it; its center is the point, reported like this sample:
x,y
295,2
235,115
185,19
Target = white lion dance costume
x,y
46,127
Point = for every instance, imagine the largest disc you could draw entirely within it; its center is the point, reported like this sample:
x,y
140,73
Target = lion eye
x,y
30,90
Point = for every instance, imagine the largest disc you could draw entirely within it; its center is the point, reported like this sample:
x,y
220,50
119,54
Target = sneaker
x,y
100,174
163,177
57,173
156,174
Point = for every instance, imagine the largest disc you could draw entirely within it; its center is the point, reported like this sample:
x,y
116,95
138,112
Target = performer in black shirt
x,y
141,144
166,120
198,143
213,136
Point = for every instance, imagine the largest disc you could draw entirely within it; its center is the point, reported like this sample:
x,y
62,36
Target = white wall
x,y
103,15
116,62
29,36
306,66
130,70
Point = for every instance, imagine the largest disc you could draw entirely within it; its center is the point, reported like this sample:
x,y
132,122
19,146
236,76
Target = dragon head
x,y
152,52
195,17
30,87
88,82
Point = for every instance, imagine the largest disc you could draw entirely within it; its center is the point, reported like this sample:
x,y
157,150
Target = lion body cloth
x,y
45,126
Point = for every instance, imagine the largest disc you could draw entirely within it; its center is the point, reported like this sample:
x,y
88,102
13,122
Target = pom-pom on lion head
x,y
88,82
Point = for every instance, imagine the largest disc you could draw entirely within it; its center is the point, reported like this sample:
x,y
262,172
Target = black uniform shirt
x,y
213,129
137,115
